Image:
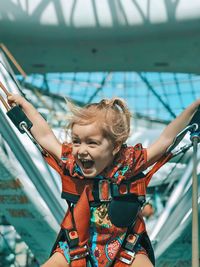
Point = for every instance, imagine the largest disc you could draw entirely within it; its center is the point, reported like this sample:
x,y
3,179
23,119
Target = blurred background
x,y
146,52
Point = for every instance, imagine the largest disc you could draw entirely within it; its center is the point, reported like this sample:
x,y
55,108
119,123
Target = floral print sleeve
x,y
59,165
130,161
139,160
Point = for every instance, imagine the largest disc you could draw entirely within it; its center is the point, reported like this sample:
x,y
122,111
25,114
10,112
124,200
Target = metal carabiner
x,y
15,113
19,118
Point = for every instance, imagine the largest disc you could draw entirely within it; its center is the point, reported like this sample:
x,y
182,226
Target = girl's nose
x,y
82,150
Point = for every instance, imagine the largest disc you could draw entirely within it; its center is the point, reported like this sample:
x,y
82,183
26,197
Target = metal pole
x,y
195,225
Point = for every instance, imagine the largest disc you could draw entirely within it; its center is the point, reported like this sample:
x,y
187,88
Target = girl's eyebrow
x,y
74,135
93,139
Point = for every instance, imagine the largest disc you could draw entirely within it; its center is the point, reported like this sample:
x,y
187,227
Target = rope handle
x,y
13,60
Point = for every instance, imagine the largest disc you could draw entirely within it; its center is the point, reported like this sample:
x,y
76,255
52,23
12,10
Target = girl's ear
x,y
116,149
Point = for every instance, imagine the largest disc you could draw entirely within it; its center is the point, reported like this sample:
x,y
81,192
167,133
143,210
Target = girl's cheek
x,y
74,151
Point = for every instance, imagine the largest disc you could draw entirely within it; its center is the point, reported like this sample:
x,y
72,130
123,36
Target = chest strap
x,y
103,190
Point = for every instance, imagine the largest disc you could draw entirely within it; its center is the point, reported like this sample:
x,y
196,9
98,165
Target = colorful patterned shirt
x,y
105,238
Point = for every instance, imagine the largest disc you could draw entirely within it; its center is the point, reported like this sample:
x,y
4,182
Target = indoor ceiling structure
x,y
109,35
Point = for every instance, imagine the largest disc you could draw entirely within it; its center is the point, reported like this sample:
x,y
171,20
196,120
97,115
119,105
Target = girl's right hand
x,y
14,99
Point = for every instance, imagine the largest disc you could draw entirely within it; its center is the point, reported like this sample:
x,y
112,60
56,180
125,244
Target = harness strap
x,y
78,257
82,217
126,254
76,228
70,231
139,226
79,263
102,190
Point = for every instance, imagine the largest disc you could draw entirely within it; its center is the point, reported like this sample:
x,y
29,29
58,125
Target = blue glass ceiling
x,y
159,96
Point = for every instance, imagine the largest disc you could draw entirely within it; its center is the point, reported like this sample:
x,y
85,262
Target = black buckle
x,y
131,241
127,261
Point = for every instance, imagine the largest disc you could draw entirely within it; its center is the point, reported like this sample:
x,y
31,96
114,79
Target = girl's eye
x,y
93,143
75,141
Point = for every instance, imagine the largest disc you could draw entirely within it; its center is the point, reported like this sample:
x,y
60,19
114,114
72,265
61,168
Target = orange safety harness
x,y
88,192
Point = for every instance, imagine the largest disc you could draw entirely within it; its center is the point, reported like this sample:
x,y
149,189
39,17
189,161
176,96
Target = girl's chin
x,y
89,173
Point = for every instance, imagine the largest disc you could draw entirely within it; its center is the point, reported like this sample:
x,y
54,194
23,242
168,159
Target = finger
x,y
11,100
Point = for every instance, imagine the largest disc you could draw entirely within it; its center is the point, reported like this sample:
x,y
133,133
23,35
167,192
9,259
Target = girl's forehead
x,y
93,128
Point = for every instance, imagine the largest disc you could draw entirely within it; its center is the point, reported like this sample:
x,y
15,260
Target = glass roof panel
x,y
158,96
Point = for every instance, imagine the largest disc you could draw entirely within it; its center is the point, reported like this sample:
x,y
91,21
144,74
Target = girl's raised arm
x,y
158,148
40,129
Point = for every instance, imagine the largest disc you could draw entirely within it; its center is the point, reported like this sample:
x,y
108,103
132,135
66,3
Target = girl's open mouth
x,y
87,164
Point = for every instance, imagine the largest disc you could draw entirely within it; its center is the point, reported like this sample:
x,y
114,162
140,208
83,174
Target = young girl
x,y
101,175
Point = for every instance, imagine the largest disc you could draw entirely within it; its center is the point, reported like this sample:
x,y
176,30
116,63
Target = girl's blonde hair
x,y
113,116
